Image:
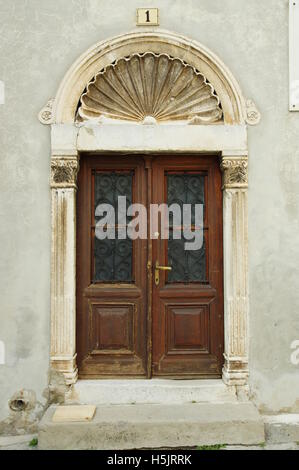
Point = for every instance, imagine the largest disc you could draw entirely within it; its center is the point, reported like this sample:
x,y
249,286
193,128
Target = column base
x,y
67,366
235,371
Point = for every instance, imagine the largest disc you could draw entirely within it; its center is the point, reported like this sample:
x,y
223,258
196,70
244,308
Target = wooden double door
x,y
134,320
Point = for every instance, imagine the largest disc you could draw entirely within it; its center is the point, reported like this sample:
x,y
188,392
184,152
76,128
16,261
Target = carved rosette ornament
x,y
235,174
46,114
64,172
253,116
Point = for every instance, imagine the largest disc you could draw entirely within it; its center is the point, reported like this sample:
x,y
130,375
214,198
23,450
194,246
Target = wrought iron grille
x,y
187,266
113,258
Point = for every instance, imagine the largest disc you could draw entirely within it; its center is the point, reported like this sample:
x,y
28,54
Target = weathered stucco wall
x,y
39,41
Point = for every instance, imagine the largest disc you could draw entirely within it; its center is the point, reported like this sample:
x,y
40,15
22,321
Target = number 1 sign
x,y
147,17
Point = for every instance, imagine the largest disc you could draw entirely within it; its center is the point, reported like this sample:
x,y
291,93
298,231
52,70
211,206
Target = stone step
x,y
283,428
156,391
148,426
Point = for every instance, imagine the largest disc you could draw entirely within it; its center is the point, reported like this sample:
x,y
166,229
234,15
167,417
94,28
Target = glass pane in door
x,y
112,258
187,265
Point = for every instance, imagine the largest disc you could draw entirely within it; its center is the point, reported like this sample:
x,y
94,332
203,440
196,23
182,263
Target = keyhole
x,y
147,16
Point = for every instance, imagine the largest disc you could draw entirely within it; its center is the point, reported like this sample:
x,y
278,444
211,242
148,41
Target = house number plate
x,y
147,16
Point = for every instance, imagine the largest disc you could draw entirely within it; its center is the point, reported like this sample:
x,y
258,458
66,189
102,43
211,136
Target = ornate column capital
x,y
234,169
64,171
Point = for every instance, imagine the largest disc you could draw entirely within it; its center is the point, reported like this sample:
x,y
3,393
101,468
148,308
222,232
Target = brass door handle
x,y
159,268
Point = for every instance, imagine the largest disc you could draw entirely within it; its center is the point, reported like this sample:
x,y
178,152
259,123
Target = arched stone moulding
x,y
236,109
229,140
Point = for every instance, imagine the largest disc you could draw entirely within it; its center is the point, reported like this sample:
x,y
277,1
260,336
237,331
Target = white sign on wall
x,y
294,54
2,92
2,353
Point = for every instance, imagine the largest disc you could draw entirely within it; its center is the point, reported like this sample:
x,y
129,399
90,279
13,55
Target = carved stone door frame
x,y
70,138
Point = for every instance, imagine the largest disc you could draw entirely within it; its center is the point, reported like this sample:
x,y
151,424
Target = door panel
x,y
111,274
188,303
193,339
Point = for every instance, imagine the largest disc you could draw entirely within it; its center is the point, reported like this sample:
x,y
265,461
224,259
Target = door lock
x,y
159,268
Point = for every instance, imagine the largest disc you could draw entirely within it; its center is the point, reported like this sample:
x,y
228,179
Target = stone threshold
x,y
155,391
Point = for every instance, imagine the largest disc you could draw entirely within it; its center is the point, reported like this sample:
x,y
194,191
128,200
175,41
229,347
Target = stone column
x,y
235,225
64,169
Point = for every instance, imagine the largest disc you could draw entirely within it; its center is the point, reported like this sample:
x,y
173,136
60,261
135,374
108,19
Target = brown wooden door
x,y
188,301
127,325
111,274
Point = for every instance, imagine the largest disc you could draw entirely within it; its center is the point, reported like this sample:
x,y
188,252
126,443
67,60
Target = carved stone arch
x,y
236,110
220,127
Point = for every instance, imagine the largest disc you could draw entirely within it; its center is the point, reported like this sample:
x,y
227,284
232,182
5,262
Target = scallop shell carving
x,y
150,87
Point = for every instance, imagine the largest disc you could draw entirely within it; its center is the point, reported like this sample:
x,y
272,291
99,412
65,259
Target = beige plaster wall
x,y
39,41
